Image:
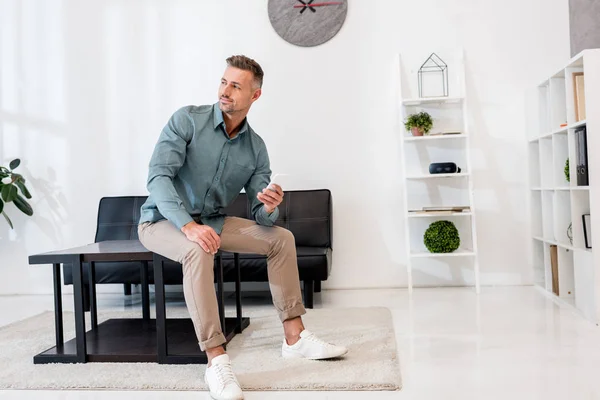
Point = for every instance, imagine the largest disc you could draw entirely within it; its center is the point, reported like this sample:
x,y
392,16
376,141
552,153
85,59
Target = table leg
x,y
145,291
161,324
93,301
79,313
58,322
238,293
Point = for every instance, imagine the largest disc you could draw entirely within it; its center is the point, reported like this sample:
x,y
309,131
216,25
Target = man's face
x,y
237,91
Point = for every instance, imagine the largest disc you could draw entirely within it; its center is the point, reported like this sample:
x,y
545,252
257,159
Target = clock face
x,y
307,22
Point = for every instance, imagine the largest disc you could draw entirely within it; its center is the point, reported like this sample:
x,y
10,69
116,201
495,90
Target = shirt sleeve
x,y
167,158
257,182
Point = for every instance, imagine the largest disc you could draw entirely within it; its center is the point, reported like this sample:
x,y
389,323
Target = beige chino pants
x,y
241,236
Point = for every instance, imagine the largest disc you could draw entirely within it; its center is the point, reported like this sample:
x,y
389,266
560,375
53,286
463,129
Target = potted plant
x,y
441,237
419,123
10,186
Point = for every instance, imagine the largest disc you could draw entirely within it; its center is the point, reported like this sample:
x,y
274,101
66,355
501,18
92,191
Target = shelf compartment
x,y
557,102
570,97
548,215
444,271
560,150
566,273
543,113
580,200
437,193
585,298
447,116
534,164
536,214
420,225
546,163
562,216
420,154
539,269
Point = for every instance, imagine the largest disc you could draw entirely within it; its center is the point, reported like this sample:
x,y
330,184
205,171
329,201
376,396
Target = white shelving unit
x,y
422,189
555,202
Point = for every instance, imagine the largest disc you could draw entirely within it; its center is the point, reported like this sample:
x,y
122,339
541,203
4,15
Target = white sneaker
x,y
311,347
222,383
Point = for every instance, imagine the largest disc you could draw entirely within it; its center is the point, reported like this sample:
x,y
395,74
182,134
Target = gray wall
x,y
584,19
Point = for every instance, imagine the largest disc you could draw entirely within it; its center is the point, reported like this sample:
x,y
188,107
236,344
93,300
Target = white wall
x,y
86,86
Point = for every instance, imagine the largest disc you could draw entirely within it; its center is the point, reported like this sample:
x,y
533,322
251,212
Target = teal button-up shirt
x,y
197,170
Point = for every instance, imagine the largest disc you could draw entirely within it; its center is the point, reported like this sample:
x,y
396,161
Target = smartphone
x,y
279,179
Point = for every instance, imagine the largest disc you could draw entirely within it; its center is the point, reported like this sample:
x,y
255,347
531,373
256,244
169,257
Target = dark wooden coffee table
x,y
162,340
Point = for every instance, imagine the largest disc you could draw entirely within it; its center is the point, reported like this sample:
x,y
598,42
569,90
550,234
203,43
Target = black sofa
x,y
306,213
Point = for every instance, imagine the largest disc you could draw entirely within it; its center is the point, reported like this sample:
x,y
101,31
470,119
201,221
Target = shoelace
x,y
315,339
225,374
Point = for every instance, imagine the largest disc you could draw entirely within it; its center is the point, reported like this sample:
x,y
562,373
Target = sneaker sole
x,y
216,397
290,354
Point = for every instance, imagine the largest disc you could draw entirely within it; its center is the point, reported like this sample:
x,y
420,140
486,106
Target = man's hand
x,y
271,197
204,235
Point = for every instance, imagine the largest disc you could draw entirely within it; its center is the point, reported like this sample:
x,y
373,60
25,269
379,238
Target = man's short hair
x,y
247,64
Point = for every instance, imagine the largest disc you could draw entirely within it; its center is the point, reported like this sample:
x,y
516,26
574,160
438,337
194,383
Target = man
x,y
203,158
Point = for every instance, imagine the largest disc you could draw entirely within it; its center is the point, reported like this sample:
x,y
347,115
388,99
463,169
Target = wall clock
x,y
307,22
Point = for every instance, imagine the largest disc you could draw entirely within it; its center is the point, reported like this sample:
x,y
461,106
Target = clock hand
x,y
330,3
305,6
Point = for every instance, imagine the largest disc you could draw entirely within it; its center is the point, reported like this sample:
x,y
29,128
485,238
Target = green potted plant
x,y
419,124
10,186
441,237
567,176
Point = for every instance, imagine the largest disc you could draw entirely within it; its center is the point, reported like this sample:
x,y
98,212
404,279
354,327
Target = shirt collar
x,y
218,119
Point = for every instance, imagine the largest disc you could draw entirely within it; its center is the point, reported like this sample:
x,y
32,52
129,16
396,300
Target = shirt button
x,y
222,160
208,195
217,178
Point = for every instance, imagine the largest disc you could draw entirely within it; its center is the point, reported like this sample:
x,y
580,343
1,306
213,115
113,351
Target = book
x,y
447,208
554,268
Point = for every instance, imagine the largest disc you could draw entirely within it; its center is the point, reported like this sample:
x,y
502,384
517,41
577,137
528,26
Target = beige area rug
x,y
371,363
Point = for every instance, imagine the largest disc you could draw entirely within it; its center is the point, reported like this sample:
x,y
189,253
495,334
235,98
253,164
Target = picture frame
x,y
587,230
579,95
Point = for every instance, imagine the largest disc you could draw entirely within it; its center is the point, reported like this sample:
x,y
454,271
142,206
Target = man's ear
x,y
256,94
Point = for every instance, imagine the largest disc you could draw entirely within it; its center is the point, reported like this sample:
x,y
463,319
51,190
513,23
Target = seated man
x,y
203,158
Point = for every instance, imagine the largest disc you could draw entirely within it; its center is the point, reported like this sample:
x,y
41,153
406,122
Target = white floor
x,y
506,343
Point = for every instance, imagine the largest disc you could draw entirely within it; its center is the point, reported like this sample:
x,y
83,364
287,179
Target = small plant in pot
x,y
419,124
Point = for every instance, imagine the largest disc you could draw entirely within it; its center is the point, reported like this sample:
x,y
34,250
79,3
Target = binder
x,y
582,158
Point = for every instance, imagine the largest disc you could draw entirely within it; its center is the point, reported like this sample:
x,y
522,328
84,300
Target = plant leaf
x,y
9,192
14,163
23,188
5,192
8,220
23,205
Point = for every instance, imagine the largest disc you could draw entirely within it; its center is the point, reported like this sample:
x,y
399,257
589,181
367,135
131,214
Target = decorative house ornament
x,y
433,77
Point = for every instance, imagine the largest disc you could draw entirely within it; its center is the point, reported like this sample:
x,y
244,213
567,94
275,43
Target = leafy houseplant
x,y
567,177
441,237
419,123
10,186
